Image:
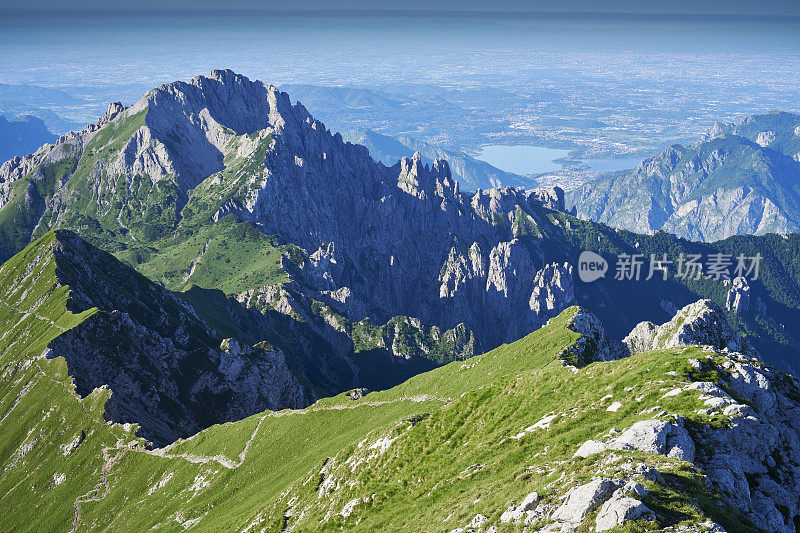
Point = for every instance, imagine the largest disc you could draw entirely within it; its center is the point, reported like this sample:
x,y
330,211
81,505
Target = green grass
x,y
152,226
453,455
39,410
237,257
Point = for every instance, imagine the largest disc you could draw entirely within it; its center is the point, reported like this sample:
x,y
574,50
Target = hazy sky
x,y
734,7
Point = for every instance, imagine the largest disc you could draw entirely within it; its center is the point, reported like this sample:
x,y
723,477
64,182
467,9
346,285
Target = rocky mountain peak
x,y
738,179
114,109
422,181
699,323
552,198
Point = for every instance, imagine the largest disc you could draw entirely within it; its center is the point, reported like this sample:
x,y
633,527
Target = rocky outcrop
x,y
699,323
618,510
552,198
738,298
754,462
525,507
580,501
649,436
592,345
752,459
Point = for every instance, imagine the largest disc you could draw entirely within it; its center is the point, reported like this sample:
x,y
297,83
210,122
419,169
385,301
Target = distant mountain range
x,y
23,135
741,178
36,101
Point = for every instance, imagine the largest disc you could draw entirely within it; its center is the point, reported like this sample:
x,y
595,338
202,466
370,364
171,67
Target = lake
x,y
522,159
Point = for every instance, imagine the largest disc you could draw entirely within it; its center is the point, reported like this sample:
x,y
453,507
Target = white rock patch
x,y
382,444
160,484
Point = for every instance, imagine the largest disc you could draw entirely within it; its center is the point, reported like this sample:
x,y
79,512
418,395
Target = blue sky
x,y
721,7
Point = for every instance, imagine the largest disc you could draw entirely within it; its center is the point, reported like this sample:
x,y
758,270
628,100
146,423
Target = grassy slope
x,y
228,255
237,257
40,413
452,458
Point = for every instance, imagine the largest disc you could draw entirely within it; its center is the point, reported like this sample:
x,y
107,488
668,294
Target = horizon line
x,y
49,12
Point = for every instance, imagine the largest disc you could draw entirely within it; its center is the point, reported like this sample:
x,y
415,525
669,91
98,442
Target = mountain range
x,y
741,178
22,136
219,314
224,184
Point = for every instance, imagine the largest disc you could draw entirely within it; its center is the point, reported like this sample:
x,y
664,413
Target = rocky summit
x,y
217,315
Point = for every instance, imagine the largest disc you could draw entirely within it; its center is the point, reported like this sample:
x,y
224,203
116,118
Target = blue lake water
x,y
521,159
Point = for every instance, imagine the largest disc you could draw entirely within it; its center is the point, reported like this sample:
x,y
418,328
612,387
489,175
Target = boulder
x,y
620,509
590,447
656,436
515,514
582,500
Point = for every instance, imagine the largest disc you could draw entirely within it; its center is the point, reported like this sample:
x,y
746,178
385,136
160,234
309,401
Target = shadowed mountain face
x,y
223,183
169,372
22,136
742,178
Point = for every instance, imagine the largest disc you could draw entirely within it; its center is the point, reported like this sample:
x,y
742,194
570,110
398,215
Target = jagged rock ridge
x,y
167,371
398,230
376,242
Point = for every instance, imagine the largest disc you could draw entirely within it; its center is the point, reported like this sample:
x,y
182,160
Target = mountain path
x,y
231,465
195,261
95,494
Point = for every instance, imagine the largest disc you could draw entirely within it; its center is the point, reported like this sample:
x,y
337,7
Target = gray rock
x,y
641,338
656,436
582,500
593,345
357,394
551,198
738,298
515,514
590,447
700,323
620,509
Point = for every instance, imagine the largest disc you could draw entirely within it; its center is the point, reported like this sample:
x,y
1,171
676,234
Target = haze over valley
x,y
432,268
